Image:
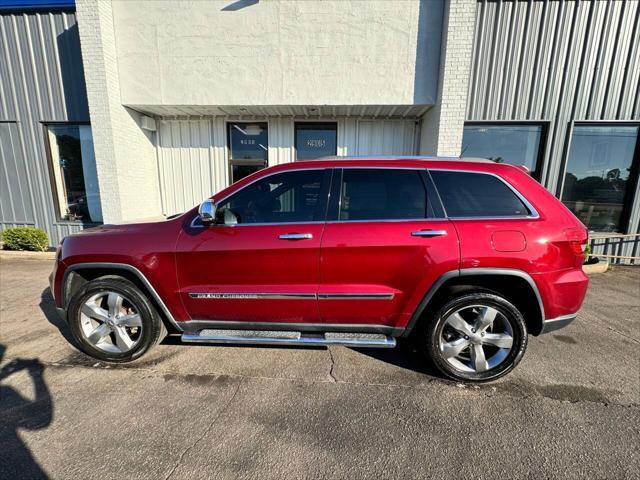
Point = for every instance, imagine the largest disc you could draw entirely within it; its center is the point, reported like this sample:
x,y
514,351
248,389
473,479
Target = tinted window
x,y
476,195
382,194
248,148
599,173
74,172
283,197
315,140
517,144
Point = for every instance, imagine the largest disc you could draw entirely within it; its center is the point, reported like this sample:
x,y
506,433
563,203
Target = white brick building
x,y
183,98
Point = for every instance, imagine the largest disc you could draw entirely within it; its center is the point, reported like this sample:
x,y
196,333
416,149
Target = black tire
x,y
152,331
434,329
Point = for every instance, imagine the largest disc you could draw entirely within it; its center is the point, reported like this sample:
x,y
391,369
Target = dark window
x,y
513,143
476,195
281,198
73,171
315,140
248,148
598,183
382,194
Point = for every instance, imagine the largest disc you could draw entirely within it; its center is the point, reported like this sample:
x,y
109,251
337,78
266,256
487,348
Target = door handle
x,y
295,236
428,233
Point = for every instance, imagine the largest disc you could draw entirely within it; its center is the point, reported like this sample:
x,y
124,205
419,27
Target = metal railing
x,y
616,247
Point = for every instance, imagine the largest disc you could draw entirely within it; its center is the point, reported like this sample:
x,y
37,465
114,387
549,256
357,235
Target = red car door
x,y
259,262
386,241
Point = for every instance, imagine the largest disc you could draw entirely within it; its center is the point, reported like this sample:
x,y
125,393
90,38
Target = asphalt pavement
x,y
570,410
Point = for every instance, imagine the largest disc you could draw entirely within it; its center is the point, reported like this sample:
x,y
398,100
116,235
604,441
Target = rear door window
x,y
382,194
468,194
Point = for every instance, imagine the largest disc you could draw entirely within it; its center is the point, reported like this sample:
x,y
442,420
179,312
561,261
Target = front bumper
x,y
557,323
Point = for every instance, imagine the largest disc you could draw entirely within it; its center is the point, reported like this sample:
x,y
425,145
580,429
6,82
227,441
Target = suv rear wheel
x,y
476,337
113,321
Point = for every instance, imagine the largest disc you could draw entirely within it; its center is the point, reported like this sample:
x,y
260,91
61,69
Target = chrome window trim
x,y
390,220
193,225
533,213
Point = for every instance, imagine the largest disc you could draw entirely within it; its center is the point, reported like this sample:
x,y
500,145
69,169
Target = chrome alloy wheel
x,y
110,322
476,338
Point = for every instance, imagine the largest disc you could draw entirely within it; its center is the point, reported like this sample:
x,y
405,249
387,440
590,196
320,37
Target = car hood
x,y
123,227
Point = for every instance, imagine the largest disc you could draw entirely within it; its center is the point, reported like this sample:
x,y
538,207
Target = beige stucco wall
x,y
278,52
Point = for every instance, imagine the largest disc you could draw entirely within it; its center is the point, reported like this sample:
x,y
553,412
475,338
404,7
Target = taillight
x,y
577,239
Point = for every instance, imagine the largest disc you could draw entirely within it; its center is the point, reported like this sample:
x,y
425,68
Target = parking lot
x,y
571,409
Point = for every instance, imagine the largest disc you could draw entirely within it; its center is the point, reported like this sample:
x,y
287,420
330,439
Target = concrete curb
x,y
599,267
27,255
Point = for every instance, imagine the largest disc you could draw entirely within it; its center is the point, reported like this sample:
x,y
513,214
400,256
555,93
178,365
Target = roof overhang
x,y
300,111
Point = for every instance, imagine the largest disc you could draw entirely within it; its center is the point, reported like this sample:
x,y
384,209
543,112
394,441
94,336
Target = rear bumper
x,y
557,323
562,293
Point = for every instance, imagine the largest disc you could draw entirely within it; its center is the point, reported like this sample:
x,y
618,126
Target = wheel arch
x,y
515,285
77,275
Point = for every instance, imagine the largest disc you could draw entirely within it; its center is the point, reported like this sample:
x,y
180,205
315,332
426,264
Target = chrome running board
x,y
274,337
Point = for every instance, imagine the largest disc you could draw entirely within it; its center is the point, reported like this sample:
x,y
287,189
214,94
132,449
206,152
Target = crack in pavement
x,y
490,391
333,365
206,431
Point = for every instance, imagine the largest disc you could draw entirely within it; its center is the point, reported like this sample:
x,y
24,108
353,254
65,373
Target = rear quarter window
x,y
468,194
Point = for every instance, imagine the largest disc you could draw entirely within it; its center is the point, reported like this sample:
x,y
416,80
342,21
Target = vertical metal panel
x,y
185,164
386,137
281,140
347,136
41,80
193,154
557,62
15,199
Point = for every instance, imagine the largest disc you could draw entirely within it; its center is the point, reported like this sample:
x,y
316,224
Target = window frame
x,y
536,173
231,162
310,122
52,183
533,212
335,197
634,173
324,193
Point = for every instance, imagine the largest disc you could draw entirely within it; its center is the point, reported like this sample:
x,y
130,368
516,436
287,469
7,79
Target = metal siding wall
x,y
558,62
15,200
41,80
193,155
184,163
386,137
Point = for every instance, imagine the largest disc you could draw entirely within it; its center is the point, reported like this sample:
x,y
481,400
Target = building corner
x,y
443,124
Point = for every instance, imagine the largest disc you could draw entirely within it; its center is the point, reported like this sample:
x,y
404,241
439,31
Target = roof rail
x,y
407,157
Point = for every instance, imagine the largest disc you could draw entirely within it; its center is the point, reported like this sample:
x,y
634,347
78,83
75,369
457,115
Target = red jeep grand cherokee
x,y
467,257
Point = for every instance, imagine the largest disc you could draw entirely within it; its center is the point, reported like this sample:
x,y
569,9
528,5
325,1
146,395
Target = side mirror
x,y
207,212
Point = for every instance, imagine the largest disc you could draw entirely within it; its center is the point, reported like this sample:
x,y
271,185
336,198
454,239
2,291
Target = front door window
x,y
287,197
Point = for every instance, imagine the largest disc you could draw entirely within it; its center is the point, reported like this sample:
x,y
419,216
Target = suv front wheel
x,y
476,337
113,321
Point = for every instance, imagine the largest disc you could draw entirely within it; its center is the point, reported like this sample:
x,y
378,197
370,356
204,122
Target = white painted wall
x,y
443,124
125,154
278,52
193,153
